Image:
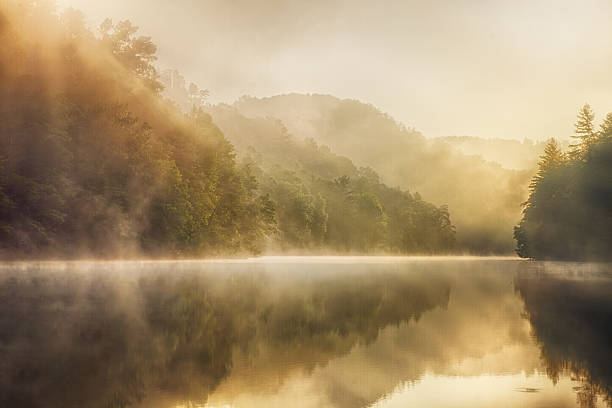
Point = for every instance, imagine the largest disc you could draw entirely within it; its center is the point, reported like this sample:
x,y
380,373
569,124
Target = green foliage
x,y
569,212
93,162
135,53
483,197
605,131
585,133
324,203
552,158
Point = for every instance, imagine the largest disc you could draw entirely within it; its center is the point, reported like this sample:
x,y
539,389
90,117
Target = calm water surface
x,y
306,332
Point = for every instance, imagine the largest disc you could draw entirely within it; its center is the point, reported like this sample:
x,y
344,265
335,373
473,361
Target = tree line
x,y
568,214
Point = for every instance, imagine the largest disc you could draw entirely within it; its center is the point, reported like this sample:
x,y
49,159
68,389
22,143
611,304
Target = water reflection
x,y
341,334
109,336
570,310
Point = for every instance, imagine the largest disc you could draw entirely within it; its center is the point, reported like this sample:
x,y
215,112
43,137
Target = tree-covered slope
x,y
324,202
483,198
93,162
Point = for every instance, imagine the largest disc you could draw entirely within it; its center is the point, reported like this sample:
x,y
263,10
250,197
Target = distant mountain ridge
x,y
509,153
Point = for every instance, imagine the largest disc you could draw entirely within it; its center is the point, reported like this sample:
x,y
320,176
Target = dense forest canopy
x,y
569,211
324,201
95,162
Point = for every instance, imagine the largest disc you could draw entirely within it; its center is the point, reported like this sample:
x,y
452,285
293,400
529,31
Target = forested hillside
x,y
569,211
95,162
324,201
483,198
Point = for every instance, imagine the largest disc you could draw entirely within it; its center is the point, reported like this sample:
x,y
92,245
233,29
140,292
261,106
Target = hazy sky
x,y
506,68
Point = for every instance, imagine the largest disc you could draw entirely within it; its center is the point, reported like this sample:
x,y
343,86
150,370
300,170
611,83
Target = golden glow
x,y
475,68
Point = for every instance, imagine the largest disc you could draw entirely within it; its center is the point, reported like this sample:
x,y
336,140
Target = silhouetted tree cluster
x,y
93,161
569,211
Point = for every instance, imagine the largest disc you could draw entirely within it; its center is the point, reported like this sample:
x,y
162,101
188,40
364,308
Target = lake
x,y
306,332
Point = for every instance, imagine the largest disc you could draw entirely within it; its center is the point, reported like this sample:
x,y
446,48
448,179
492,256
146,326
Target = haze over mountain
x,y
475,68
447,171
96,151
469,185
95,162
485,71
324,202
509,153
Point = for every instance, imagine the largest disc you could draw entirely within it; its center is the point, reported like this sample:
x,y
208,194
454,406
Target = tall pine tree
x,y
553,157
605,132
585,134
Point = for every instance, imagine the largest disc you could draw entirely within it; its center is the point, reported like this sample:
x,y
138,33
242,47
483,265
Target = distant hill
x,y
323,202
509,153
483,197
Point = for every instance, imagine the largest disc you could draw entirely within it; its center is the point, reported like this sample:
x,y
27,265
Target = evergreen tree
x,y
569,211
553,157
584,134
605,132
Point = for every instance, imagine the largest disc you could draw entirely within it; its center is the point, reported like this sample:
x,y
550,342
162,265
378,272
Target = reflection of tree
x,y
71,340
572,320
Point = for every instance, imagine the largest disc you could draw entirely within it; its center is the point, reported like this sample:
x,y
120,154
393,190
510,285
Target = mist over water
x,y
306,332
